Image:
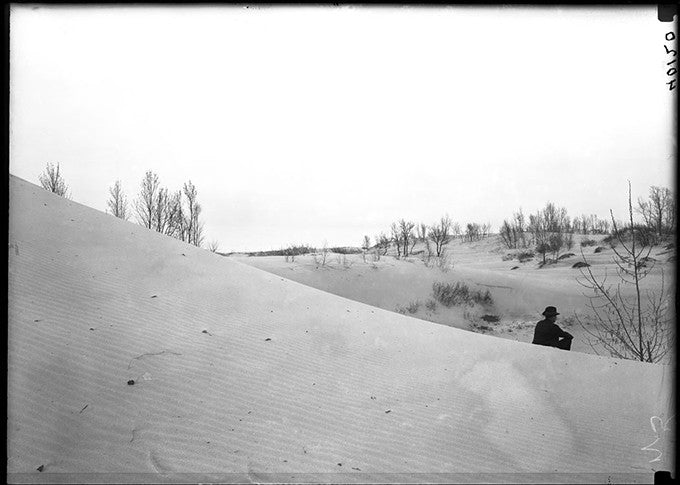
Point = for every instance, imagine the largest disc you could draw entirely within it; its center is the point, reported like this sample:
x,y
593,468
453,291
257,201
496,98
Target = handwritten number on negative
x,y
672,71
663,426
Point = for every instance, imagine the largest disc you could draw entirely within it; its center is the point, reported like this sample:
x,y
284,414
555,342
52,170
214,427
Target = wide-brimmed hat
x,y
550,311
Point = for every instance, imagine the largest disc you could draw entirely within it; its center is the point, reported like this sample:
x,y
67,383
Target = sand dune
x,y
519,296
241,375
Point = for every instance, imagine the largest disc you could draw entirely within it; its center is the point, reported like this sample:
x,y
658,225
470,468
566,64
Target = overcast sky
x,y
299,125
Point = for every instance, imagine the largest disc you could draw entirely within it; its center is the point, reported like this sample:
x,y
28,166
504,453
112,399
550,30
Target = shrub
x,y
565,256
482,298
525,256
588,242
580,264
515,267
431,305
490,318
568,321
413,307
599,249
449,294
346,250
508,257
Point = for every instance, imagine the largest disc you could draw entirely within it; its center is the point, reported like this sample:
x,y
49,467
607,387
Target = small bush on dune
x,y
449,294
411,308
580,264
431,305
565,256
599,249
569,321
491,318
346,250
610,241
588,242
291,251
482,298
525,256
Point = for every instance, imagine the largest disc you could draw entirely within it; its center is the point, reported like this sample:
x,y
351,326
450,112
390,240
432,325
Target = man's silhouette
x,y
549,334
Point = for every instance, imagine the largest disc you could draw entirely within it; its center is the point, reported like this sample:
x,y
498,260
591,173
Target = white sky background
x,y
299,125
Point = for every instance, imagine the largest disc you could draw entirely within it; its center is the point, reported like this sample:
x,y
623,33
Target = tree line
x,y
404,235
175,213
550,229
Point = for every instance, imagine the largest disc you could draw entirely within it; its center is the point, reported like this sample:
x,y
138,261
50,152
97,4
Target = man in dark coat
x,y
549,334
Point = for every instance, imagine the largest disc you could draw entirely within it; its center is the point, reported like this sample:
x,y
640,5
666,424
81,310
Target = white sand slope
x,y
241,375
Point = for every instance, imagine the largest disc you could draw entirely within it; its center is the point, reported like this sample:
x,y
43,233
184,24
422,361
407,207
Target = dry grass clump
x,y
588,242
431,305
411,308
450,295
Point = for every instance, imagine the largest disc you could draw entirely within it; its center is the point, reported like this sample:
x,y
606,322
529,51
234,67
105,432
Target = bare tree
x,y
473,231
146,201
176,224
160,211
539,233
53,181
213,246
455,230
508,235
382,244
421,230
194,226
440,234
429,254
396,237
365,245
513,232
406,234
197,224
117,202
324,252
638,328
486,229
658,211
548,229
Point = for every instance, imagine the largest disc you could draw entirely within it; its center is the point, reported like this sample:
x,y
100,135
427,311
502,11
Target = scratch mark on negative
x,y
152,353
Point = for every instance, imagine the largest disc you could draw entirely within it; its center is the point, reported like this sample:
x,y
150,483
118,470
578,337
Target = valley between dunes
x,y
243,375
